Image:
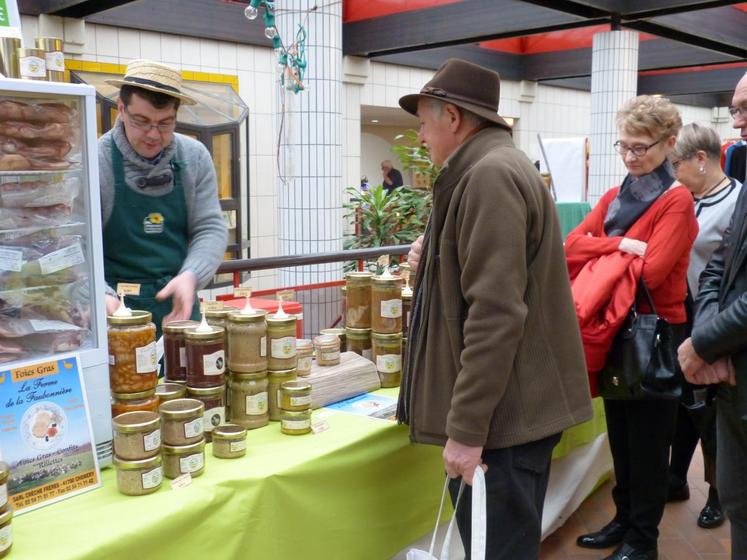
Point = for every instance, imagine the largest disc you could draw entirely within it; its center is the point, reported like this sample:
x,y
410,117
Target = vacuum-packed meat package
x,y
10,351
42,335
42,112
70,303
41,217
40,259
44,192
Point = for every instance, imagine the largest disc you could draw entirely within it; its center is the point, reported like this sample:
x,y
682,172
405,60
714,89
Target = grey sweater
x,y
207,230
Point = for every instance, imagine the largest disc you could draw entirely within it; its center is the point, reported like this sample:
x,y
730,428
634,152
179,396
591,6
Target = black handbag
x,y
642,362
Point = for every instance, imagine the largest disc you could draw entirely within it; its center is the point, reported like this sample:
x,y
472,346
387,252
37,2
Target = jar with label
x,y
295,395
4,475
219,318
386,304
6,533
32,64
305,353
327,350
229,442
275,380
183,459
214,399
182,421
295,423
248,394
359,341
170,391
132,353
131,402
406,307
137,435
137,478
358,300
54,57
247,342
206,357
175,351
387,353
339,333
281,343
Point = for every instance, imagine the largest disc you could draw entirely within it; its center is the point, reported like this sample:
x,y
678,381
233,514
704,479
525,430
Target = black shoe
x,y
627,552
609,535
678,493
711,517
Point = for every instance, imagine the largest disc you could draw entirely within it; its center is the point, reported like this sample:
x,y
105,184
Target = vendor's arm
x,y
182,291
587,240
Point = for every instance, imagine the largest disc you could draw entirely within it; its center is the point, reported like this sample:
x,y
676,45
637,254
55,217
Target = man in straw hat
x,y
163,226
495,369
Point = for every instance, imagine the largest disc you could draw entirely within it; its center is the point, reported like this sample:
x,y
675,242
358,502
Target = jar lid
x,y
180,409
183,449
293,414
134,396
6,516
179,326
281,321
359,277
206,391
229,431
304,344
4,472
213,334
136,421
238,317
246,376
219,313
138,317
170,390
283,373
407,294
326,340
296,386
386,337
357,334
124,465
25,51
389,281
340,333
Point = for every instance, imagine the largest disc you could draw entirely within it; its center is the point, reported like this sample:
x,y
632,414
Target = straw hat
x,y
154,76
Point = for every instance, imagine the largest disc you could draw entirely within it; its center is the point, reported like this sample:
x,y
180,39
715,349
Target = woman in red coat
x,y
645,228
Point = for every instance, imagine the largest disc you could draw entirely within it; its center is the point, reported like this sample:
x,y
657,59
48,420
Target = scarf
x,y
635,196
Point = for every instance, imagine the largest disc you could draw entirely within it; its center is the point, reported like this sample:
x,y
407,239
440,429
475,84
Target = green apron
x,y
146,241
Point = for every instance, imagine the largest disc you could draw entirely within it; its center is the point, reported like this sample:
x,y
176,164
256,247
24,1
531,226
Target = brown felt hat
x,y
464,84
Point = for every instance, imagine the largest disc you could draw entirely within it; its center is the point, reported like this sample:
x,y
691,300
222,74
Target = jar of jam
x,y
4,475
219,317
281,343
214,399
247,342
359,341
327,350
183,459
229,442
170,391
182,421
295,423
387,353
6,533
249,399
140,477
358,300
295,395
305,352
132,352
386,304
174,350
137,435
275,380
206,357
339,333
131,402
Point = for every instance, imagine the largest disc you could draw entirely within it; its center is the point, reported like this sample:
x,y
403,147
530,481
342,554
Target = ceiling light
x,y
374,120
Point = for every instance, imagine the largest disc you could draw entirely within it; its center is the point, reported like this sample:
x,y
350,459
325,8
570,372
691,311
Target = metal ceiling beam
x,y
655,8
68,8
689,83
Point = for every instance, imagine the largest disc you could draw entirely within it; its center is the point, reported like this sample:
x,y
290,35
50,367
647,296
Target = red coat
x,y
604,279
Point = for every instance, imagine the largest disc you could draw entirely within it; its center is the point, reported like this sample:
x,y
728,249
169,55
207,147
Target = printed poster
x,y
45,433
368,404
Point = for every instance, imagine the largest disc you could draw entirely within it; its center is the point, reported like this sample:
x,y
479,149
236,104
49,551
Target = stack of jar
x,y
182,425
358,313
6,512
294,399
137,452
282,358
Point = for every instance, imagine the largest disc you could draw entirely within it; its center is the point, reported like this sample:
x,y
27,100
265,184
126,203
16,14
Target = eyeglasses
x,y
741,111
146,126
638,150
676,163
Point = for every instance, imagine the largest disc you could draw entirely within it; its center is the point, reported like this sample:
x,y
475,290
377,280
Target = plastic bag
x,y
33,194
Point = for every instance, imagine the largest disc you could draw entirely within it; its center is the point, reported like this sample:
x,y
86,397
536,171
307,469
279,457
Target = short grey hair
x,y
436,106
695,137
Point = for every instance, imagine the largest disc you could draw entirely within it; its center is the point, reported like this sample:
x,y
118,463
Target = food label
x,y
128,289
6,538
256,405
242,292
296,424
304,364
55,61
319,426
214,417
298,401
145,358
368,354
181,481
183,357
263,347
193,428
112,360
11,259
152,440
391,308
62,259
46,325
283,347
33,67
191,463
3,494
237,445
389,363
211,306
152,478
329,356
215,363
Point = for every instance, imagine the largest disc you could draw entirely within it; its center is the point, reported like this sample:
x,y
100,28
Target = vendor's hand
x,y
461,460
723,370
413,257
181,290
112,304
633,246
690,363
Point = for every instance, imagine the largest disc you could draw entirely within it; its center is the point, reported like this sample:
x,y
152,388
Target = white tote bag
x,y
478,523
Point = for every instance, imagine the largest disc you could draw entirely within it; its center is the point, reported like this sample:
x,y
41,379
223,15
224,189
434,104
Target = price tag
x,y
285,295
242,292
206,306
128,289
319,426
181,481
383,261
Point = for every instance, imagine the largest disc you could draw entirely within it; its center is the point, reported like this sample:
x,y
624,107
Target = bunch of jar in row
x,y
6,512
45,62
374,326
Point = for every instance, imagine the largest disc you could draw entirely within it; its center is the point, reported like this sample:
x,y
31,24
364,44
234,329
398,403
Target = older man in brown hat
x,y
495,368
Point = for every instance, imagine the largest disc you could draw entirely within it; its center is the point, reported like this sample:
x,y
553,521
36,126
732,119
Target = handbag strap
x,y
646,293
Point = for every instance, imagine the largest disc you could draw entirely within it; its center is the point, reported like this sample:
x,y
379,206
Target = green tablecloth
x,y
571,214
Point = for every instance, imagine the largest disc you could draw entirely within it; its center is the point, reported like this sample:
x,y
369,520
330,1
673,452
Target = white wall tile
x,y
190,54
209,53
107,42
245,57
150,45
89,48
171,48
129,44
227,56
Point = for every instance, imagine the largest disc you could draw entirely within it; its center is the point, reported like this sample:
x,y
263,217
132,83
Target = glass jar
x,y
206,357
133,366
249,399
182,421
183,459
339,333
386,304
327,350
359,341
305,352
281,343
358,300
214,399
387,353
247,342
295,423
137,435
174,350
229,442
6,533
170,391
295,395
219,317
137,478
131,402
4,475
32,64
275,380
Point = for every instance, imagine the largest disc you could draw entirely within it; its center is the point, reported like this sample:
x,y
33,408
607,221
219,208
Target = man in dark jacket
x,y
391,177
495,369
717,350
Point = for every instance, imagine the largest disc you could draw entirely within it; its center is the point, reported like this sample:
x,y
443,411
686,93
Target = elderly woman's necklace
x,y
713,188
